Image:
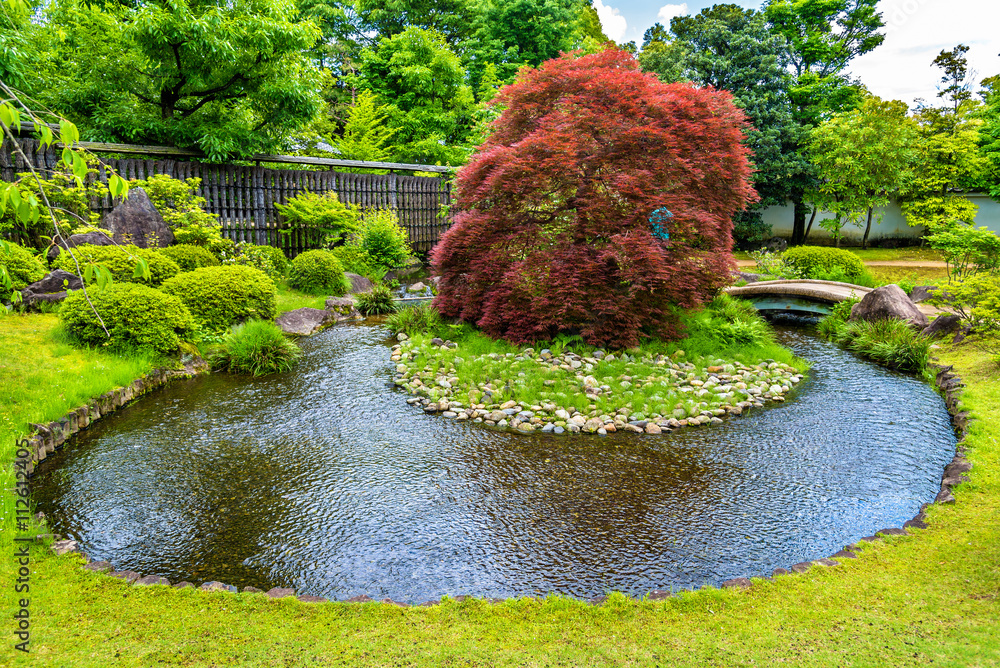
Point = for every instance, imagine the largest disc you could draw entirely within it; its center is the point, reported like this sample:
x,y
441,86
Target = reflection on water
x,y
323,479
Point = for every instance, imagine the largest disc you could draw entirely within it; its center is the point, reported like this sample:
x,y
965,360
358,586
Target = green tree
x,y
230,79
453,19
862,158
421,84
823,37
365,136
989,134
731,48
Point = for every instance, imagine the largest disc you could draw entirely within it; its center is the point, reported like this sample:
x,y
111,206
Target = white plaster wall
x,y
892,225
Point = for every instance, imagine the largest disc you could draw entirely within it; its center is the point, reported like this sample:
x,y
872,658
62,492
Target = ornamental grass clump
x,y
136,317
553,231
256,347
318,272
892,343
219,297
377,301
415,320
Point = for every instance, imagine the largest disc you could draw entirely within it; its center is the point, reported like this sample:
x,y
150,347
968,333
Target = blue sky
x,y
916,31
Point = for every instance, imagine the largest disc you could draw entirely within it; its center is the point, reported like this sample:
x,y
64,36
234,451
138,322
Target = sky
x,y
900,69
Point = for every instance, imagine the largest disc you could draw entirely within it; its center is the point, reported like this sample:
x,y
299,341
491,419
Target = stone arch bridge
x,y
797,296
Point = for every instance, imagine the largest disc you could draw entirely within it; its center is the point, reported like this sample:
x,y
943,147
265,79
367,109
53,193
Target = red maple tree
x,y
553,233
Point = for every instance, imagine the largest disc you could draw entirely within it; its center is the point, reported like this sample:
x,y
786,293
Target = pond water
x,y
325,480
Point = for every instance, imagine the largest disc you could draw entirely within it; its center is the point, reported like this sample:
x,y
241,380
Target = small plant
x,y
256,347
832,326
377,301
354,260
136,317
324,219
415,320
190,257
892,343
384,242
318,272
20,265
838,273
219,297
182,210
121,262
976,300
808,259
772,264
70,204
967,250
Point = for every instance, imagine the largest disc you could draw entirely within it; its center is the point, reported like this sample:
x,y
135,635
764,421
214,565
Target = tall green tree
x,y
422,86
230,79
989,134
823,37
862,157
366,135
453,19
731,48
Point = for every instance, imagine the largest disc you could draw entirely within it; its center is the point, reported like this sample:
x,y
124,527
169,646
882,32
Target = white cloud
x,y
668,12
916,31
612,22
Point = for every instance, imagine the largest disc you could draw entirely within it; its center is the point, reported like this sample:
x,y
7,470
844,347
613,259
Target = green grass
x,y
932,598
290,299
909,254
909,275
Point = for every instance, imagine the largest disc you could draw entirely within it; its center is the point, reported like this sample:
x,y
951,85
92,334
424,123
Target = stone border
x,y
53,435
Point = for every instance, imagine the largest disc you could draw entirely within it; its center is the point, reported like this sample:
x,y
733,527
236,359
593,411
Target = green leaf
x,y
47,137
67,156
141,269
69,134
6,117
118,186
79,168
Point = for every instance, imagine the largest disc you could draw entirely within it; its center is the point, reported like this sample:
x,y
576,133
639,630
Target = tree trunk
x,y
868,229
799,222
812,219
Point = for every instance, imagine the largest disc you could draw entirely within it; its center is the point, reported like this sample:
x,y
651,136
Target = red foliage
x,y
553,231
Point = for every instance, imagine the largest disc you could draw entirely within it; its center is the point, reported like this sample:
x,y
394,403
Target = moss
x,y
219,297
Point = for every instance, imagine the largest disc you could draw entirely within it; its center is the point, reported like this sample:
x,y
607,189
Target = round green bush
x,y
807,260
120,261
277,257
22,267
268,259
219,297
257,347
377,301
190,257
353,259
383,240
135,315
318,271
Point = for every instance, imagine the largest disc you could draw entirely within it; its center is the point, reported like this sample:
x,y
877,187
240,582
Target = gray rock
x,y
942,326
358,283
303,321
153,580
343,308
888,302
136,221
215,585
417,287
184,585
558,430
280,592
128,576
252,590
64,546
99,566
801,567
359,599
737,583
88,239
309,598
922,293
54,283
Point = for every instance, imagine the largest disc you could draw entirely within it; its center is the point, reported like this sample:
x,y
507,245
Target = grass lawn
x,y
909,254
932,598
289,299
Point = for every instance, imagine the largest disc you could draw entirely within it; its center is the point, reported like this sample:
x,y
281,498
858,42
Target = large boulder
x,y
87,239
52,288
303,321
358,283
343,308
137,221
888,303
942,326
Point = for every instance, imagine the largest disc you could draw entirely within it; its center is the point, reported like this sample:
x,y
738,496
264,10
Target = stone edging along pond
x,y
45,439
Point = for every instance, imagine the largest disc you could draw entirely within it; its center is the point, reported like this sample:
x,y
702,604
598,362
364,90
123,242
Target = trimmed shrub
x,y
318,272
353,259
182,210
257,347
120,261
268,259
377,301
219,297
384,242
602,201
190,257
819,260
22,267
136,316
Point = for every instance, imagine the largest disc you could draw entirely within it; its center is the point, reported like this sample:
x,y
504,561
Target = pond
x,y
325,480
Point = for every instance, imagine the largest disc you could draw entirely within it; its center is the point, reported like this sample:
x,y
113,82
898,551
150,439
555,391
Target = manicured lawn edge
x,y
904,601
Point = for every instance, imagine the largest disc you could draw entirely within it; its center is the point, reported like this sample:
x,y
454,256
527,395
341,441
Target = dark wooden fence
x,y
243,196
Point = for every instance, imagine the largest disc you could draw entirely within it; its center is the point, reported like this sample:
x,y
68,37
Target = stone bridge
x,y
800,296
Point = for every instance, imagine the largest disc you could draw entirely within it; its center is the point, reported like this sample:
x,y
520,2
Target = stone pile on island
x,y
686,394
